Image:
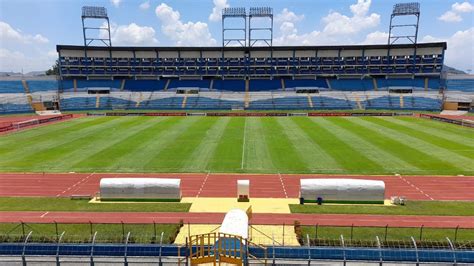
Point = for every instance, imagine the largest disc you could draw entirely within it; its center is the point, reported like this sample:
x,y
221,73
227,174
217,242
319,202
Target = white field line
x,y
243,144
415,187
76,184
202,185
44,214
283,185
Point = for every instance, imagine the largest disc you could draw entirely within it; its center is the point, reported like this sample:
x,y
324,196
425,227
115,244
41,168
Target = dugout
x,y
342,190
141,189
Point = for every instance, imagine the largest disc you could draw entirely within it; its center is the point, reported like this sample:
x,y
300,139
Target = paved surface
x,y
225,185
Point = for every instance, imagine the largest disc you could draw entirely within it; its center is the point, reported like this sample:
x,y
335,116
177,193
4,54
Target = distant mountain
x,y
8,74
452,70
36,73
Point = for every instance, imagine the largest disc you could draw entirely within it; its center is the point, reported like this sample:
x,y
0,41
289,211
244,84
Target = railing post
x,y
57,248
454,251
161,245
273,249
154,231
123,231
421,232
125,259
416,251
380,250
316,232
23,258
456,234
386,233
343,250
283,240
352,230
56,229
92,249
23,229
309,250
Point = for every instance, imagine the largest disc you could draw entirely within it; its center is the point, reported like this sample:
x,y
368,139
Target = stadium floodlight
x,y
234,12
94,12
265,13
404,9
261,11
239,29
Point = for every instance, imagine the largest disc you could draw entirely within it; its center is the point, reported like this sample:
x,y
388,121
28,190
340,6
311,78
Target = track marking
x,y
243,144
44,214
415,187
75,184
202,185
282,185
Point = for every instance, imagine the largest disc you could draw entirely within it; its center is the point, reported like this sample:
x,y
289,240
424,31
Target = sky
x,y
31,29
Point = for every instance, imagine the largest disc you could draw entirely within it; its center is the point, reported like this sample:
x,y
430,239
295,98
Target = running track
x,y
224,185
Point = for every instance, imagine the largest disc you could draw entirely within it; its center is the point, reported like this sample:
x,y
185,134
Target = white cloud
x,y
183,34
17,61
145,5
217,10
465,7
338,24
450,16
116,3
131,34
288,16
460,52
376,37
453,14
337,28
8,34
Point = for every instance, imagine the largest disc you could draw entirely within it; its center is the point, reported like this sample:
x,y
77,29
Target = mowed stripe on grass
x,y
242,144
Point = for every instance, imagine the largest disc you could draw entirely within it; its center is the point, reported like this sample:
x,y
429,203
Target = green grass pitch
x,y
346,145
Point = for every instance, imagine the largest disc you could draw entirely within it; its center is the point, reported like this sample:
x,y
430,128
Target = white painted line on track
x,y
283,185
415,187
202,185
76,184
44,214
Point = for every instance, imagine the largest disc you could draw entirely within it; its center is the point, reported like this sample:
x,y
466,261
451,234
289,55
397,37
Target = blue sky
x,y
30,29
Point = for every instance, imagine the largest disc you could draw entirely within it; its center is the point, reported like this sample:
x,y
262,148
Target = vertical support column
x,y
91,258
343,250
25,243
453,249
57,248
416,251
125,259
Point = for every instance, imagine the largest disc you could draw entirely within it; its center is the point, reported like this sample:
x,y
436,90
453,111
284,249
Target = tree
x,y
54,70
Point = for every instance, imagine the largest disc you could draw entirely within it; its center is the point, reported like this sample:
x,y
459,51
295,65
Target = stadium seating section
x,y
262,94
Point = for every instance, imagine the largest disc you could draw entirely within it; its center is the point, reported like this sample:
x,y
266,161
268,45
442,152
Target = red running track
x,y
224,185
258,218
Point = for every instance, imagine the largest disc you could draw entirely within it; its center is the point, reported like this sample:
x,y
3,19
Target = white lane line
x,y
417,188
202,185
243,144
283,185
76,184
44,214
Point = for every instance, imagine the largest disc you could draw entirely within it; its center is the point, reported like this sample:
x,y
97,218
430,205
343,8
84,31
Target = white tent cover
x,y
236,222
140,188
342,189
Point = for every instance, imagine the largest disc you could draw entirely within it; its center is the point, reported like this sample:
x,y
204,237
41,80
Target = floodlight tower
x,y
404,9
100,13
234,12
261,12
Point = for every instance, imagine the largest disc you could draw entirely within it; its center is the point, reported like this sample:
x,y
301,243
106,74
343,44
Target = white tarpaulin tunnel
x,y
236,222
160,189
342,190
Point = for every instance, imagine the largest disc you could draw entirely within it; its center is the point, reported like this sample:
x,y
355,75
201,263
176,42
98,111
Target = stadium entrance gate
x,y
216,248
